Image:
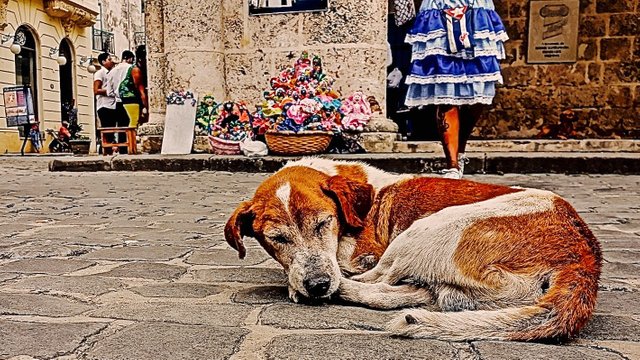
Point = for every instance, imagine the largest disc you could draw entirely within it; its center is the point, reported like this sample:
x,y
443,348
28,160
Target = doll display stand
x,y
179,128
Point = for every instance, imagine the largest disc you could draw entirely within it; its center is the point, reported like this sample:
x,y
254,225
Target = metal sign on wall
x,y
261,7
553,31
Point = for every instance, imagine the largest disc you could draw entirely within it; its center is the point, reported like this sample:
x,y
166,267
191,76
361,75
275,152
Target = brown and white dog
x,y
513,263
299,214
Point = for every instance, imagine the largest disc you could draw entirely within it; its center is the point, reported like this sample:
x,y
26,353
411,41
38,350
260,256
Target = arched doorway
x,y
27,63
67,77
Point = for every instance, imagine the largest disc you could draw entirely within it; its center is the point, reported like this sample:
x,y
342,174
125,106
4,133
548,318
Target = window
x,y
25,61
103,41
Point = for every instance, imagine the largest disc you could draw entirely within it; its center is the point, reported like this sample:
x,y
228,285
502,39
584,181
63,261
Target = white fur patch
x,y
425,250
376,177
284,194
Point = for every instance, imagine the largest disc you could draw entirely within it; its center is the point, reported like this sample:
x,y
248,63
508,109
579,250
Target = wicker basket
x,y
224,147
302,143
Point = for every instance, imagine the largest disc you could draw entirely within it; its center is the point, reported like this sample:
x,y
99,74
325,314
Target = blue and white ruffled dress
x,y
456,47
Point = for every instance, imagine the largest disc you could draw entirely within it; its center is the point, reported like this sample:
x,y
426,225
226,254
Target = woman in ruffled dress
x,y
456,46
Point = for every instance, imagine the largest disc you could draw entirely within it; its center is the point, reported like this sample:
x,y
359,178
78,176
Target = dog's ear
x,y
239,224
354,199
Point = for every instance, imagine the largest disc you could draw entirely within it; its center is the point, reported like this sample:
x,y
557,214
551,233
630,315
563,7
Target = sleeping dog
x,y
513,263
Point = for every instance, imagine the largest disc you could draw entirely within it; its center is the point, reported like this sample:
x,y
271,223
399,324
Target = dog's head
x,y
298,215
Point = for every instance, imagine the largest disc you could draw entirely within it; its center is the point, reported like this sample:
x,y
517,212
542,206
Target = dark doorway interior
x,y
66,78
414,123
26,63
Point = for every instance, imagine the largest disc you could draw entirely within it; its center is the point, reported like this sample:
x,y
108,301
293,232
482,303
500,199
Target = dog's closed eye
x,y
280,239
322,224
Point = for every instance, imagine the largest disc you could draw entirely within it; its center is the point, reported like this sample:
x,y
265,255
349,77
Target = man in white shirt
x,y
105,104
114,78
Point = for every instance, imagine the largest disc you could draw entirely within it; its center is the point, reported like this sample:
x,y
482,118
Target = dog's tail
x,y
561,312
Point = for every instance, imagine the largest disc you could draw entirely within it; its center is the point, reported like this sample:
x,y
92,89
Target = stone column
x,y
184,50
151,133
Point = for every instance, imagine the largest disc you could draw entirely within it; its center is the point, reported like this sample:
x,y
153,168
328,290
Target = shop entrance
x,y
414,123
26,64
66,79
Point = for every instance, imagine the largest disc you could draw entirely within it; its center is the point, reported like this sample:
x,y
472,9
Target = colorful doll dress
x,y
456,45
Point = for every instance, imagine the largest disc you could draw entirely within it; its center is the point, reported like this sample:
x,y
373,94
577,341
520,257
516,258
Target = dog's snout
x,y
317,286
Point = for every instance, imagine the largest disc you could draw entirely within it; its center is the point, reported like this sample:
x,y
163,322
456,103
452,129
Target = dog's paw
x,y
293,295
365,262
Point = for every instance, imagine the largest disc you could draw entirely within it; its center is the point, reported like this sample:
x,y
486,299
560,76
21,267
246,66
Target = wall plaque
x,y
260,7
553,31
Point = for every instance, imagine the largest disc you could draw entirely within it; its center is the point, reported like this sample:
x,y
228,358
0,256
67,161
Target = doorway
x,y
26,63
66,79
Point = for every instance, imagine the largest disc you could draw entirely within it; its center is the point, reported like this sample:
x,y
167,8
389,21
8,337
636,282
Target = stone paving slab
x,y
86,285
157,253
47,340
617,303
178,290
608,327
185,313
37,304
297,316
168,341
241,275
520,351
356,347
45,266
154,271
225,257
262,295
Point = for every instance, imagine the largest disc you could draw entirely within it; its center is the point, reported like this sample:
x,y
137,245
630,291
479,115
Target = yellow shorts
x,y
133,112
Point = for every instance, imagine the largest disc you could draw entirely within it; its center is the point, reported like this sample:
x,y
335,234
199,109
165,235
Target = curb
x,y
480,163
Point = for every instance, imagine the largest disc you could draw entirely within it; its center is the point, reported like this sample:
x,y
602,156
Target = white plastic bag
x,y
252,148
394,78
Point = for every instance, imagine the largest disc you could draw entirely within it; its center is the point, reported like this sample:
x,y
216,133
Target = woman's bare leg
x,y
448,118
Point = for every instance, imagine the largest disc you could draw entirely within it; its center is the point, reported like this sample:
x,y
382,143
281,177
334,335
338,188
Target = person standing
x,y
456,45
133,91
114,79
105,104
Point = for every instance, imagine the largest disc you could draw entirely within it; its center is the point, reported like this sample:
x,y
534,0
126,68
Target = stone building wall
x,y
216,46
602,88
123,18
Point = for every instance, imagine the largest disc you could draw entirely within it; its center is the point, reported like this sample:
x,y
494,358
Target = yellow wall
x,y
49,33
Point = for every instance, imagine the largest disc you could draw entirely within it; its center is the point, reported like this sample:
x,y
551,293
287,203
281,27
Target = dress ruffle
x,y
451,94
466,75
439,46
430,25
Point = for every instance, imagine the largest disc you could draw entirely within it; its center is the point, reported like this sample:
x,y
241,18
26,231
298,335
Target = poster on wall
x,y
553,31
264,7
18,105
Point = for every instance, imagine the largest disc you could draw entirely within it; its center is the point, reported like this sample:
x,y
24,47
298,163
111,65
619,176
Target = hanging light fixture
x,y
61,59
87,60
15,48
17,41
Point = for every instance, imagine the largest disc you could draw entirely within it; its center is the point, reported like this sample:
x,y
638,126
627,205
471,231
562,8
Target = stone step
x,y
473,146
480,163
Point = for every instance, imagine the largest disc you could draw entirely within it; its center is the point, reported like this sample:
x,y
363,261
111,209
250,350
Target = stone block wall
x,y
216,46
602,87
350,38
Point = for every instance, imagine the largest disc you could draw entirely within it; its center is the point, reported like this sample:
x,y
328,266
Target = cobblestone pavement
x,y
134,265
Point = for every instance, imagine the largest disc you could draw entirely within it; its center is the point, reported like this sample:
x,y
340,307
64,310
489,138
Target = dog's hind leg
x,y
384,296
